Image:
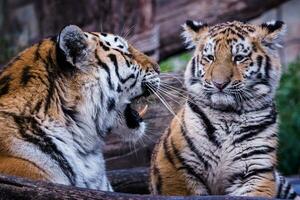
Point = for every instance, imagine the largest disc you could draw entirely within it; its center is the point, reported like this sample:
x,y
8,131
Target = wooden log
x,y
153,26
134,181
14,188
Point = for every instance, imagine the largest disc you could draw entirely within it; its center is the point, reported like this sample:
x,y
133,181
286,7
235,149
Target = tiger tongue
x,y
143,111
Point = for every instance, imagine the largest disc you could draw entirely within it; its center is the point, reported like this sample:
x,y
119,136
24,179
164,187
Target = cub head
x,y
112,74
235,65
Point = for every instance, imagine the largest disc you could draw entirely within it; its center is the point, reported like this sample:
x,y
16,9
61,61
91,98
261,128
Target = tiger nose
x,y
221,84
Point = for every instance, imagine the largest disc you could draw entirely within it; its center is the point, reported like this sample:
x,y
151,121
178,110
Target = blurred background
x,y
154,26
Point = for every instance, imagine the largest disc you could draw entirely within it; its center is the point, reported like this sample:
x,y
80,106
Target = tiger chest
x,y
215,160
82,166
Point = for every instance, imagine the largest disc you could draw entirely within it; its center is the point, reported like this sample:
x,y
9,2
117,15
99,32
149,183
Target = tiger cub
x,y
60,97
224,139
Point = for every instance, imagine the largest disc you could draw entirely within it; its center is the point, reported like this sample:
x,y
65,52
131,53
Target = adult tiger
x,y
60,97
224,139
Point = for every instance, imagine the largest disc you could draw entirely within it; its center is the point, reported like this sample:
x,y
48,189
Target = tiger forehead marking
x,y
223,43
112,41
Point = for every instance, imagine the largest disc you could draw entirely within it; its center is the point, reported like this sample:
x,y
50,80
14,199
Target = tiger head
x,y
235,65
80,81
115,74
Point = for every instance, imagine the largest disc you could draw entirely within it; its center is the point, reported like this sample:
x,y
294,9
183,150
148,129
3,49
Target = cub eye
x,y
210,57
238,58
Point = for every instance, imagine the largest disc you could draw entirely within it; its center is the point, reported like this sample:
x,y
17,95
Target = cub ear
x,y
73,44
193,31
272,34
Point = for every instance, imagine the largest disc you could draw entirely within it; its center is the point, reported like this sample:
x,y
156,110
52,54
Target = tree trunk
x,y
28,21
173,13
153,26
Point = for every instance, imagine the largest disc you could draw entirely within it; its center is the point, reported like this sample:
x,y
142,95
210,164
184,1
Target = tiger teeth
x,y
143,111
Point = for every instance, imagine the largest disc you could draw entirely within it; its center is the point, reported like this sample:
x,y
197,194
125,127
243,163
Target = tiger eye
x,y
238,58
210,57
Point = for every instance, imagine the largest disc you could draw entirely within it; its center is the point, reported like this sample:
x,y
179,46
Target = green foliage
x,y
288,103
175,63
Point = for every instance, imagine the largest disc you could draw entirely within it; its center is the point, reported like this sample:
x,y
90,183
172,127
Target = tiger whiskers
x,y
129,31
169,108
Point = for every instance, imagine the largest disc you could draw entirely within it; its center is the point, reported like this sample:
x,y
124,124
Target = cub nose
x,y
220,84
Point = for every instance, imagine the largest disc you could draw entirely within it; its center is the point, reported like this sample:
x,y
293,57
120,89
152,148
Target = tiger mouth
x,y
133,117
133,113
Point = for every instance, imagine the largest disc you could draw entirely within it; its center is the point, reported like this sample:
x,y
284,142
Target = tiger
x,y
223,141
60,97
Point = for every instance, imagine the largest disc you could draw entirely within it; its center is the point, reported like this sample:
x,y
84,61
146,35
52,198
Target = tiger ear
x,y
73,43
193,32
272,33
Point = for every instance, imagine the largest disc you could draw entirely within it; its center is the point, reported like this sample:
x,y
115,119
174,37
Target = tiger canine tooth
x,y
143,111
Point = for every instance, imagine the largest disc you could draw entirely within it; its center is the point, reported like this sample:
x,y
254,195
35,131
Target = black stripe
x,y
259,60
192,147
94,34
45,143
105,48
240,36
99,130
280,186
70,114
253,130
50,68
255,172
111,104
26,76
189,170
267,67
158,184
105,67
193,70
209,128
37,55
113,58
286,190
133,84
166,148
248,174
260,151
119,89
4,84
38,106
